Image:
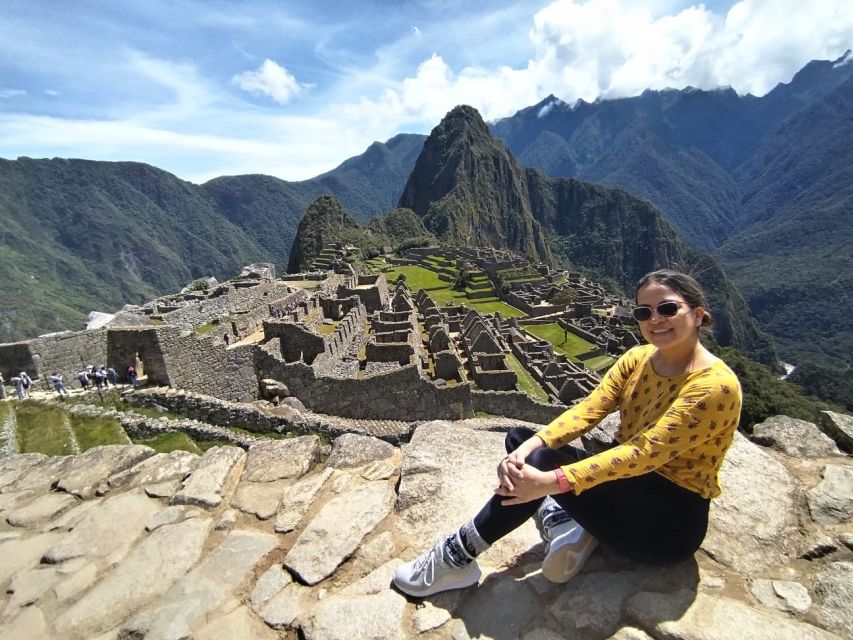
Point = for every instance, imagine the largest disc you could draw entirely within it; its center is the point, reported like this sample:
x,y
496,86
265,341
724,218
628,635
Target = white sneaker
x,y
433,573
569,545
550,517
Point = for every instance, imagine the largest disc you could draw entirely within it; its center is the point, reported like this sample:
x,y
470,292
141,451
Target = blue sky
x,y
291,89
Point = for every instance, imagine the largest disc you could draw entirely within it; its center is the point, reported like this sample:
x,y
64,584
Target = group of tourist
x,y
22,383
102,377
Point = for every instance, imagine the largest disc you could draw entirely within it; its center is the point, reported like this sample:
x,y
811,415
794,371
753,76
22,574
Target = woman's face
x,y
666,332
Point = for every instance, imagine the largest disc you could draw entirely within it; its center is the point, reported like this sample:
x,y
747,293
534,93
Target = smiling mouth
x,y
660,331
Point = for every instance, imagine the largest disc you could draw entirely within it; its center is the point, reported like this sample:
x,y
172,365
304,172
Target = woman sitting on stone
x,y
646,498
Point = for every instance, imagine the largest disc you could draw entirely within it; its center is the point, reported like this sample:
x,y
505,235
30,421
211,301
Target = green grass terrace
x,y
418,277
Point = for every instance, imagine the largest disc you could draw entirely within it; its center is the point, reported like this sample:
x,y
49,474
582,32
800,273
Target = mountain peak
x,y
462,118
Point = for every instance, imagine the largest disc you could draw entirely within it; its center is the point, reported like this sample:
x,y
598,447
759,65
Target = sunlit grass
x,y
599,363
416,278
5,411
525,381
325,329
42,429
170,441
95,431
207,327
564,342
204,445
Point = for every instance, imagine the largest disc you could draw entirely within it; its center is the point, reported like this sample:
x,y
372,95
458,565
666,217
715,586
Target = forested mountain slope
x,y
78,235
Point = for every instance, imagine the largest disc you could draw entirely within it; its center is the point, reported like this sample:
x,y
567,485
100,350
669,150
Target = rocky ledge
x,y
297,539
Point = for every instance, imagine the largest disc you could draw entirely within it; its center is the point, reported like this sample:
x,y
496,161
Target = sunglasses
x,y
665,309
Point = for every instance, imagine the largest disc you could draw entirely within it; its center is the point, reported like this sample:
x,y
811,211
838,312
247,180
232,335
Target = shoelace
x,y
426,565
552,521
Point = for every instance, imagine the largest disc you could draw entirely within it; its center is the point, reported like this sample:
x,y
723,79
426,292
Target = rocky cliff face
x,y
471,191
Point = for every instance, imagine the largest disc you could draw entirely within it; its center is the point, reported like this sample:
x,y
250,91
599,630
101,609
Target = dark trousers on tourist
x,y
647,518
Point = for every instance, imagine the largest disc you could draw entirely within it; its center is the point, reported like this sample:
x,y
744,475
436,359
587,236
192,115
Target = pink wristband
x,y
563,483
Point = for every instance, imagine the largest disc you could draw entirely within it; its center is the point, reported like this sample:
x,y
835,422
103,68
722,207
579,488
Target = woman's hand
x,y
527,483
515,460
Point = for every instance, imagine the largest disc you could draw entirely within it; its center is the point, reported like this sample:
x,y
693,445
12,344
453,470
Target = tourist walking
x,y
83,379
225,339
58,384
22,383
646,498
111,376
132,376
99,376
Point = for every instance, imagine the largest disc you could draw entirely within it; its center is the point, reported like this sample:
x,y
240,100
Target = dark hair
x,y
684,285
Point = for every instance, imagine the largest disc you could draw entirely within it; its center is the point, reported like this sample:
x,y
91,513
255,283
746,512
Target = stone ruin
x,y
324,335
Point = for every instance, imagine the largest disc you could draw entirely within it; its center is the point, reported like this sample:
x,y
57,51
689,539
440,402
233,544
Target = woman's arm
x,y
704,415
603,401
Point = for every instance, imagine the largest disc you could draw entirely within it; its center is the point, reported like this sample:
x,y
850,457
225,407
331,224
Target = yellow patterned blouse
x,y
679,427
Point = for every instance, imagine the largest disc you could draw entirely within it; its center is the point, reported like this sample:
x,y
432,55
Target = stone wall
x,y
401,352
66,353
398,395
206,366
296,342
516,404
371,290
127,346
199,313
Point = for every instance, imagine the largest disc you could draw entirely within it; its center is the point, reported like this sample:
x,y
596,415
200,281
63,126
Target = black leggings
x,y
646,518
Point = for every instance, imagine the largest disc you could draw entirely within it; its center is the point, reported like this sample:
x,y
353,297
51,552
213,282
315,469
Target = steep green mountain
x,y
763,182
467,188
324,222
269,209
78,235
462,173
370,184
791,255
402,226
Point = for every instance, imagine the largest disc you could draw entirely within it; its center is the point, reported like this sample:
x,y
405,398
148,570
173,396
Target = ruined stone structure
x,y
343,344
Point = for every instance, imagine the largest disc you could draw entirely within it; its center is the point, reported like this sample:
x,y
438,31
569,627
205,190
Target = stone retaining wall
x,y
216,413
397,395
65,353
207,367
140,427
199,313
516,404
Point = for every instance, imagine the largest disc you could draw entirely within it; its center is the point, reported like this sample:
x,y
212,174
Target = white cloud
x,y
51,92
606,48
617,48
270,79
5,94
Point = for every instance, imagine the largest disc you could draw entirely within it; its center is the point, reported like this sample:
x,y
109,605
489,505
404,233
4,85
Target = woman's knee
x,y
543,459
516,436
